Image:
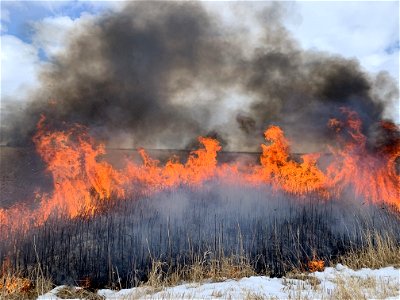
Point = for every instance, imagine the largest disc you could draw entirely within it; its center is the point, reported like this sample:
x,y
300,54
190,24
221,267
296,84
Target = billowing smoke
x,y
159,74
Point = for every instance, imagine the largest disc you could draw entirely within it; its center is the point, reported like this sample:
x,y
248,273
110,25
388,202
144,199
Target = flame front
x,y
284,173
79,179
83,182
373,176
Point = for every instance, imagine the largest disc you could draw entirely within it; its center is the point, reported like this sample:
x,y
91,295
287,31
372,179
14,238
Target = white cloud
x,y
361,30
51,33
20,61
19,67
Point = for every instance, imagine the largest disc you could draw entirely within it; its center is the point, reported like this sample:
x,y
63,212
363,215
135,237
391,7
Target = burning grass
x,y
25,284
83,183
160,223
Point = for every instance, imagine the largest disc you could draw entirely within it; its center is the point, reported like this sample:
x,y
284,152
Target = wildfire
x,y
284,173
79,180
83,181
373,176
200,166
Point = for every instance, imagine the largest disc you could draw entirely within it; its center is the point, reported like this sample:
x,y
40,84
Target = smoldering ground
x,y
159,74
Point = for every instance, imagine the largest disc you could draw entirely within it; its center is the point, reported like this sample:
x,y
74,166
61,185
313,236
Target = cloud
x,y
361,30
20,64
51,33
21,61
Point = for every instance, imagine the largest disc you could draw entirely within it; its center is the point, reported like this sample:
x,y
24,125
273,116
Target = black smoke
x,y
159,74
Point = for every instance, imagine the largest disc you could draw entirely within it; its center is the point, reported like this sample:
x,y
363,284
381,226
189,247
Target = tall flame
x,y
287,174
79,180
83,181
373,176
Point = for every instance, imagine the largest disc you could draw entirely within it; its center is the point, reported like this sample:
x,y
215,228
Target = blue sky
x,y
17,15
33,31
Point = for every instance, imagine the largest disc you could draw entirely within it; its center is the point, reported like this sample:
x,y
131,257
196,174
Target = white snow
x,y
263,287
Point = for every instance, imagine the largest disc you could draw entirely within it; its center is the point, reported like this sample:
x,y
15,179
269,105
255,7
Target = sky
x,y
34,31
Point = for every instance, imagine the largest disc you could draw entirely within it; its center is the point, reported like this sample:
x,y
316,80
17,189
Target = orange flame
x,y
79,180
200,166
287,174
316,265
373,176
83,181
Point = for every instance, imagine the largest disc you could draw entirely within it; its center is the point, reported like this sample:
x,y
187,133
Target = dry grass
x,y
346,288
202,269
217,294
253,296
218,270
16,286
379,250
356,288
299,285
307,278
69,292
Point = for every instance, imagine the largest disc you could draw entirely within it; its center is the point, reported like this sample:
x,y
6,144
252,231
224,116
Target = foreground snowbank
x,y
332,283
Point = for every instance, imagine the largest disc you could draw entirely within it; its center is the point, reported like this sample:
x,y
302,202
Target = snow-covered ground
x,y
332,283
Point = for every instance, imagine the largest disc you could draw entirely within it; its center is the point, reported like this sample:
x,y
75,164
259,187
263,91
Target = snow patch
x,y
315,285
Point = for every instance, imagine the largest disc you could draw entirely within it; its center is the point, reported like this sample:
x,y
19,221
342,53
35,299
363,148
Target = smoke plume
x,y
159,74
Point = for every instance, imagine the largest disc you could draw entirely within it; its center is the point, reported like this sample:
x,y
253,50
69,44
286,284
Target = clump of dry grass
x,y
69,292
307,278
346,288
220,269
379,250
253,296
160,275
14,285
349,287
